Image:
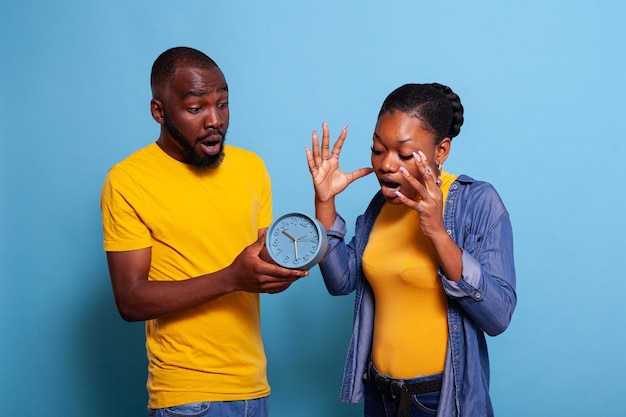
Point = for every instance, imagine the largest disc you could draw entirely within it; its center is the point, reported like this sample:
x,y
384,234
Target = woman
x,y
431,263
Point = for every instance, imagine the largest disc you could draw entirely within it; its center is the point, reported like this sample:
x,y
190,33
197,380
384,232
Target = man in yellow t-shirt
x,y
183,221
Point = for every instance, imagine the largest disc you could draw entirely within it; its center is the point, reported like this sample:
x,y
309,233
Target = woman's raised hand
x,y
328,179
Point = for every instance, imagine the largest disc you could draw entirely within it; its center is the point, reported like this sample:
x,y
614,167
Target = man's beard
x,y
191,156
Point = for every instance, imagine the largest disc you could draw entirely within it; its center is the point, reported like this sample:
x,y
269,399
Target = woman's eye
x,y
376,151
406,157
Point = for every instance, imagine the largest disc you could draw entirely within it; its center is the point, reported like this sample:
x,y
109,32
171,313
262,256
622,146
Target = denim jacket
x,y
481,302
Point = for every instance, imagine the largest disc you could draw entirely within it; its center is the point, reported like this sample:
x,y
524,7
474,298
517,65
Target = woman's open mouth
x,y
389,188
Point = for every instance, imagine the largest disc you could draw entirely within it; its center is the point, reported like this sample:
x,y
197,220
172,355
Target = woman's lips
x,y
389,188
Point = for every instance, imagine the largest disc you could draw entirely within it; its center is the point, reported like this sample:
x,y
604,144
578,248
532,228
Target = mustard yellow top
x,y
410,324
196,222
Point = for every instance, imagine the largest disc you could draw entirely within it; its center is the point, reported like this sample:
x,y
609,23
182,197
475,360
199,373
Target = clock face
x,y
296,241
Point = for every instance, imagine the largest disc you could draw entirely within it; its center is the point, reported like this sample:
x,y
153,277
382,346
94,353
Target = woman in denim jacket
x,y
431,263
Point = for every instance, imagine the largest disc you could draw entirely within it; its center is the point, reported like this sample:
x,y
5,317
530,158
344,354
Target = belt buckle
x,y
396,388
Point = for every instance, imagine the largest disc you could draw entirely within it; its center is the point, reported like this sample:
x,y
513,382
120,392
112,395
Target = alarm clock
x,y
296,241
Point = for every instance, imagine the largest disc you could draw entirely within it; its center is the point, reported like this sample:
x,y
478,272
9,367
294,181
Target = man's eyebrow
x,y
200,93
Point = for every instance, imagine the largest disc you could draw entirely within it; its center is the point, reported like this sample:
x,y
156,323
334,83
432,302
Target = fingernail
x,y
417,156
404,171
422,155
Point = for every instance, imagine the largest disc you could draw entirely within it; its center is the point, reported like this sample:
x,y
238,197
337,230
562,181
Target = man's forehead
x,y
199,81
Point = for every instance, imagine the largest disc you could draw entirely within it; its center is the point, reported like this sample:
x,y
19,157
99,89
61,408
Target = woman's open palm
x,y
328,179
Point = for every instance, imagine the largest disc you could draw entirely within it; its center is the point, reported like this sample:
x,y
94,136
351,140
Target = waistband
x,y
393,386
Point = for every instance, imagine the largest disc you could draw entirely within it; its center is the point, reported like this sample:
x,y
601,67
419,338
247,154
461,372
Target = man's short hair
x,y
165,65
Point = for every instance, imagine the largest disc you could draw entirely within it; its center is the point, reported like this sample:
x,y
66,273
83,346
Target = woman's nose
x,y
389,164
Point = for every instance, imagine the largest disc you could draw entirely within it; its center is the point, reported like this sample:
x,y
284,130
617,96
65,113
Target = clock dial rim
x,y
320,247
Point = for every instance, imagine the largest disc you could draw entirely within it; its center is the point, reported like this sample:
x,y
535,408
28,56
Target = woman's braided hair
x,y
436,105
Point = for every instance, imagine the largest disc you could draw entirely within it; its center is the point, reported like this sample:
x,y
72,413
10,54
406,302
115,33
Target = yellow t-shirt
x,y
196,222
410,324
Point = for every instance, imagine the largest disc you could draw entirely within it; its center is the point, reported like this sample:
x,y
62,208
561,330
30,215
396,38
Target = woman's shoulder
x,y
476,193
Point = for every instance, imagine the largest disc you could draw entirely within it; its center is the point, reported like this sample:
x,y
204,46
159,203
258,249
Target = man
x,y
184,222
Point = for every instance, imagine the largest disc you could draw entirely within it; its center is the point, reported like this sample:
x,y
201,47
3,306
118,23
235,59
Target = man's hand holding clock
x,y
296,240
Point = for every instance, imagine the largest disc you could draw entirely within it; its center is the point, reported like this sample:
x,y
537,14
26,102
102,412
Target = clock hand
x,y
295,247
289,236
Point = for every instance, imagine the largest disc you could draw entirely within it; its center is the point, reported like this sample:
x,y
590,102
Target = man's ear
x,y
156,108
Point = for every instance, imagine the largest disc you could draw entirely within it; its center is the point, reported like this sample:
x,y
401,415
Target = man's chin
x,y
208,161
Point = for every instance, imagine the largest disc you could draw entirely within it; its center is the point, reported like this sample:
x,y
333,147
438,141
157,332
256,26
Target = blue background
x,y
543,84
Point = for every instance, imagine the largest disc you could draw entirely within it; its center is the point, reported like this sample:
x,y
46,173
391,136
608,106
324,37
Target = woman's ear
x,y
442,150
156,108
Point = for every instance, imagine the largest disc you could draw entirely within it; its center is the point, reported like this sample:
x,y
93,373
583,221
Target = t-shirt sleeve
x,y
265,209
120,203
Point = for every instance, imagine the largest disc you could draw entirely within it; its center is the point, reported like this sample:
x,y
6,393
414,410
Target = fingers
x,y
279,279
339,143
321,153
359,173
425,169
422,190
256,247
310,159
425,184
408,202
325,141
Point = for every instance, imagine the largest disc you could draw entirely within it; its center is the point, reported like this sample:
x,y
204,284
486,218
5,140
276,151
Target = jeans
x,y
245,408
378,404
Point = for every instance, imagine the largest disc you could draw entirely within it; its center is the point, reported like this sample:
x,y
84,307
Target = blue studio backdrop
x,y
543,84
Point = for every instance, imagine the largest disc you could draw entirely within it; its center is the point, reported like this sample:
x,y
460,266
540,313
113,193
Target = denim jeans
x,y
244,408
378,404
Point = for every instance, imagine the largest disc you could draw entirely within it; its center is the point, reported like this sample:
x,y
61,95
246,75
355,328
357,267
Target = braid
x,y
457,108
436,105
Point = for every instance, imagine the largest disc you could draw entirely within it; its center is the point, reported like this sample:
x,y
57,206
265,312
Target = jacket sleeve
x,y
486,291
339,265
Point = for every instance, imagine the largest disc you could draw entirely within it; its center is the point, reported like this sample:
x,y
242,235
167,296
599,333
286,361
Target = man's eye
x,y
193,110
223,105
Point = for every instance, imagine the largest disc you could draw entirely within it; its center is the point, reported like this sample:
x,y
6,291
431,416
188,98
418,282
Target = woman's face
x,y
396,137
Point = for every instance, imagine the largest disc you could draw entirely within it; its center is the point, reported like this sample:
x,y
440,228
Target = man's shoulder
x,y
240,152
138,160
243,157
148,152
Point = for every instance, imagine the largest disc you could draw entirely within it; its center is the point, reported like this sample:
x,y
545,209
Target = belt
x,y
399,388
